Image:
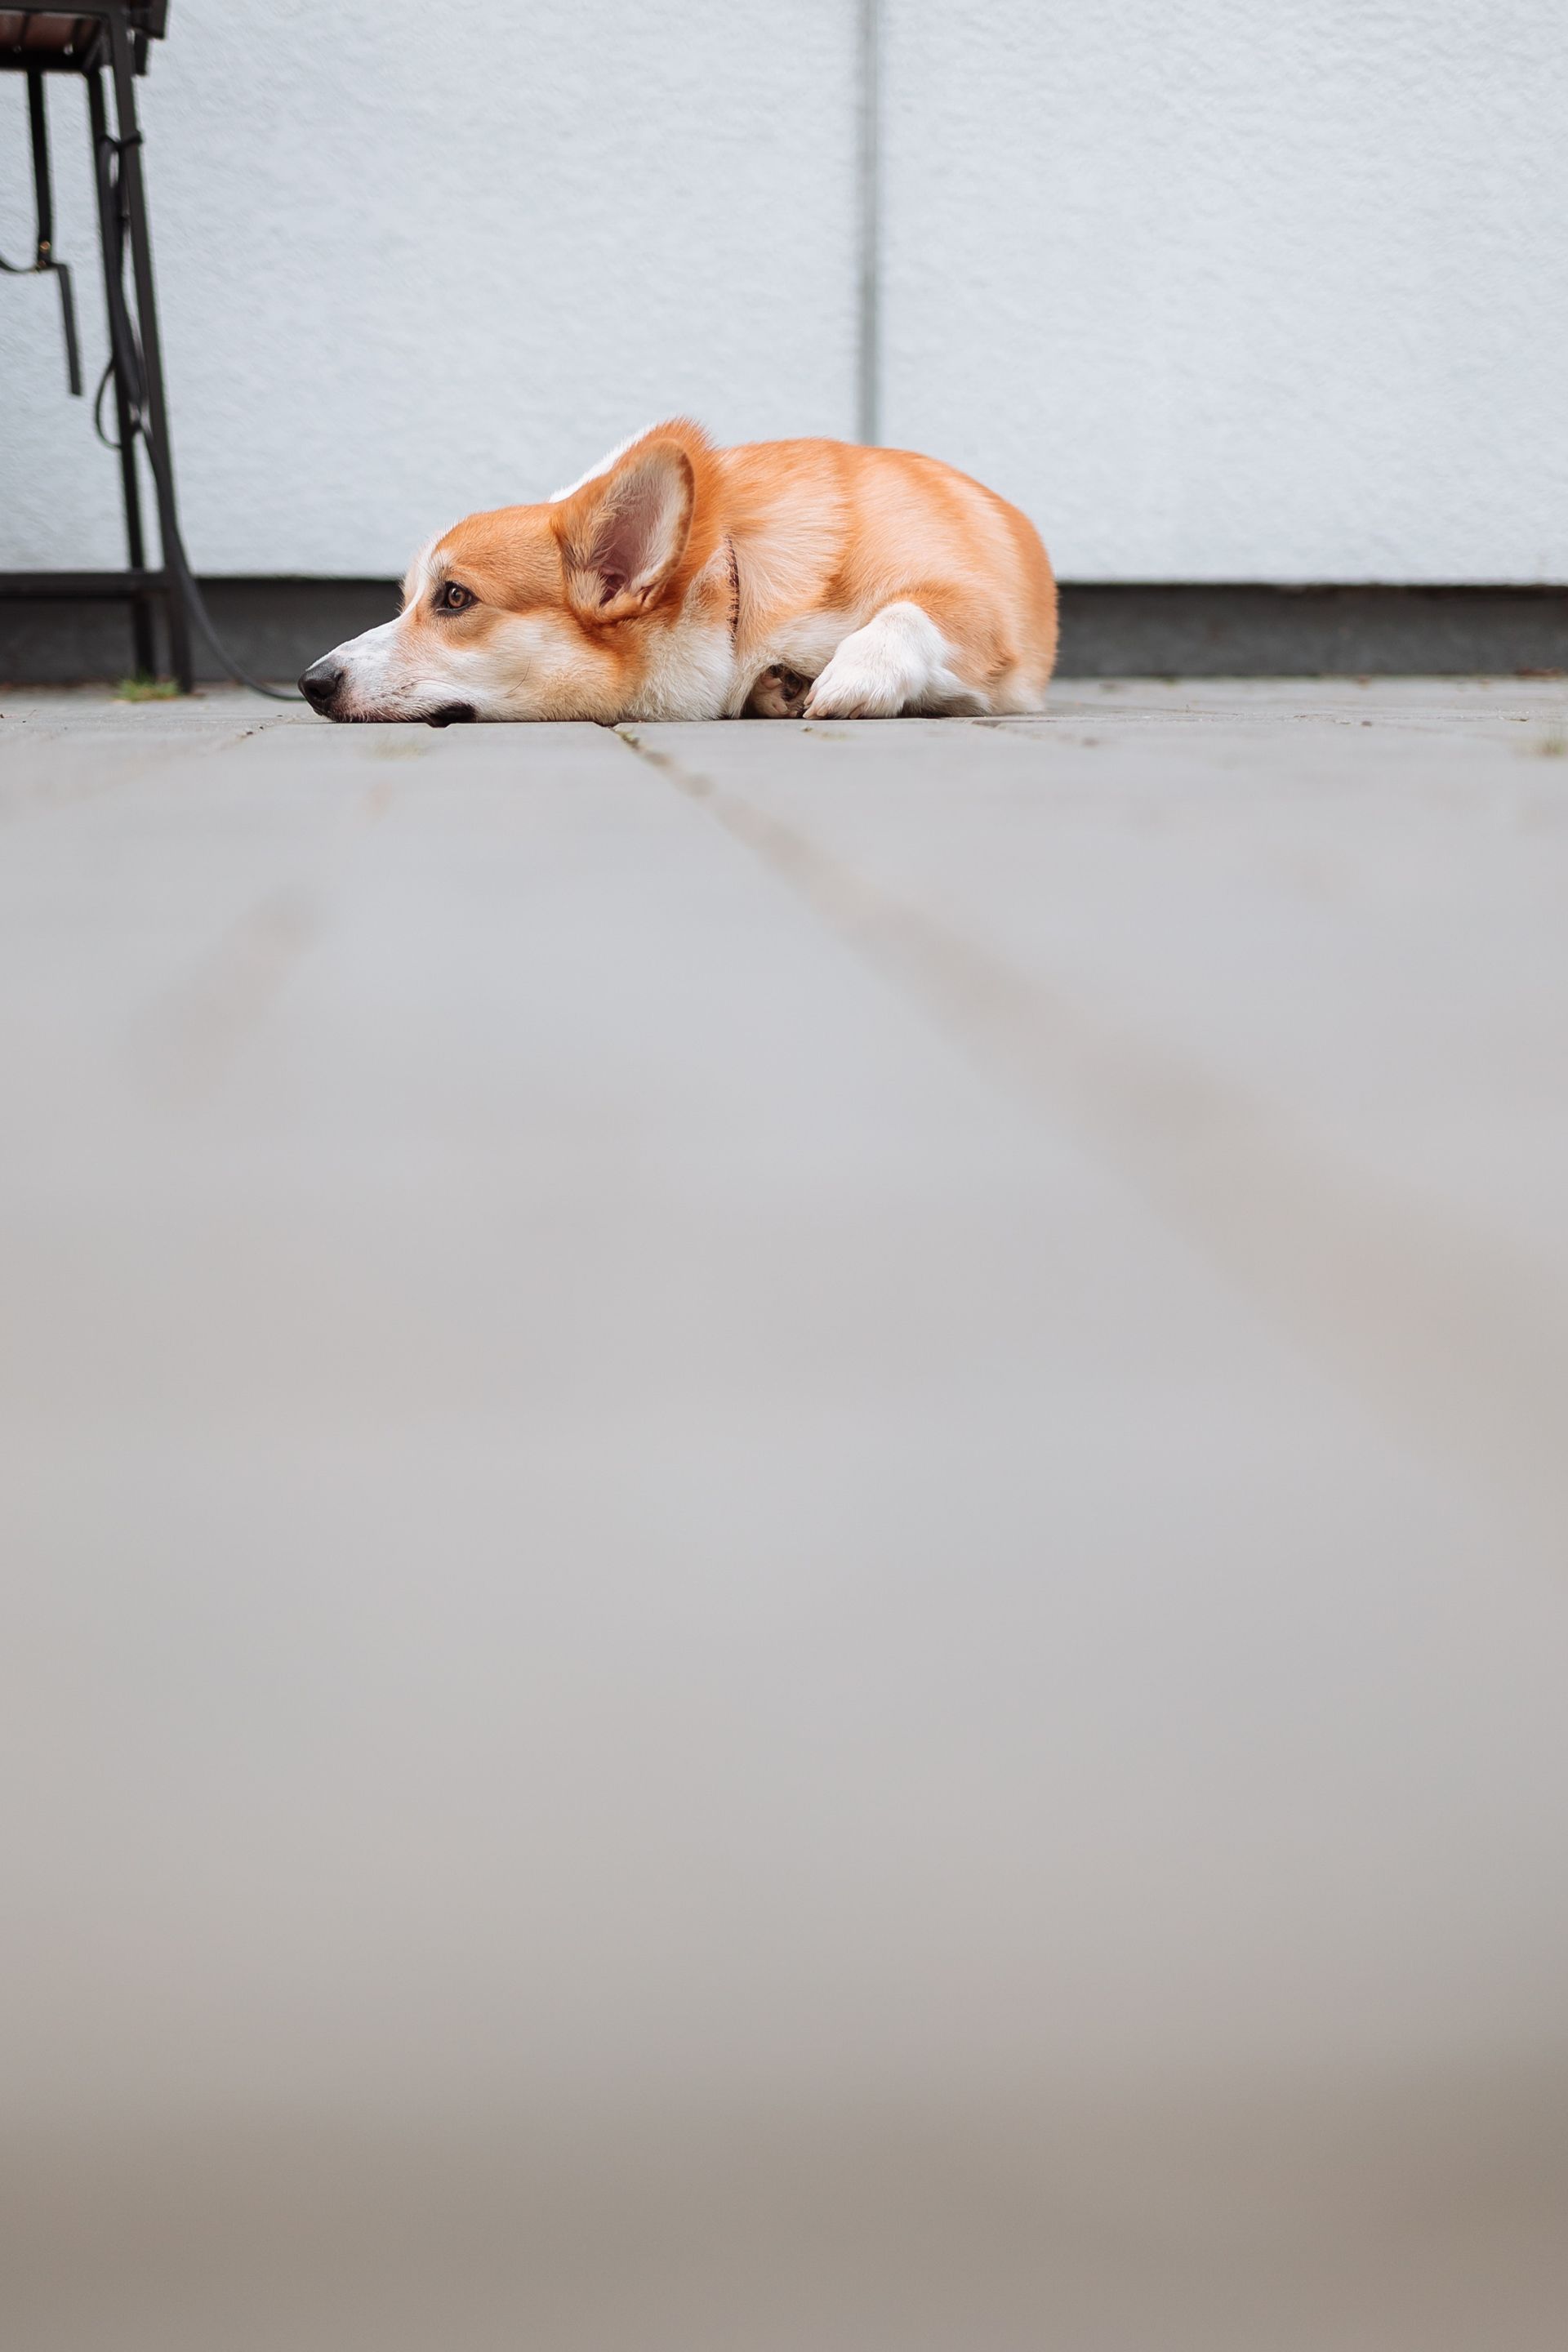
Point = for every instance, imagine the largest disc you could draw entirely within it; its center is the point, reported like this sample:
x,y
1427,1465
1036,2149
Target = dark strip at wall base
x,y
1115,629
273,628
1190,630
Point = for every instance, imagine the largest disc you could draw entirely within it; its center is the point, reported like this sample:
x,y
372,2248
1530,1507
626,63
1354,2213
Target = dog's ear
x,y
624,534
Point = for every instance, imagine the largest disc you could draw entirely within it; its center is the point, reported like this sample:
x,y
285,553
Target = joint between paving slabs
x,y
1438,1326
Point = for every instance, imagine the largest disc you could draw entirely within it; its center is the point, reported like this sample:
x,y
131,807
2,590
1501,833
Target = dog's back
x,y
830,534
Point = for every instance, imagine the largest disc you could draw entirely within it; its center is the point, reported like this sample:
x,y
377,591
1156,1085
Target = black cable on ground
x,y
190,596
128,363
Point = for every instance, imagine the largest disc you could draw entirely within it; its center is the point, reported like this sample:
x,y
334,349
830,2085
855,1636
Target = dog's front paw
x,y
856,685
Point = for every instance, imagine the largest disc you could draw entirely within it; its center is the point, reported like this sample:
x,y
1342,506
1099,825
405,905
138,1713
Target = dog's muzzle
x,y
322,683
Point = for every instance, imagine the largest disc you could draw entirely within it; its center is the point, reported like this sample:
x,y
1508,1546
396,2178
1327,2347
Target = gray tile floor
x,y
787,1527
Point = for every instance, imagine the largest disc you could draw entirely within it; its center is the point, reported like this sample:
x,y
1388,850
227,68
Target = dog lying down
x,y
781,580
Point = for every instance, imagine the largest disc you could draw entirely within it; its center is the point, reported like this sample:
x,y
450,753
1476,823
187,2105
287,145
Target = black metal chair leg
x,y
155,422
104,41
143,642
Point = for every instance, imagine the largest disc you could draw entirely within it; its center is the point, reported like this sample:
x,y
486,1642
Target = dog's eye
x,y
455,599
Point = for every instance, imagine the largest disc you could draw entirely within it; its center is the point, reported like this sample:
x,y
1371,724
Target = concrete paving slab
x,y
786,1526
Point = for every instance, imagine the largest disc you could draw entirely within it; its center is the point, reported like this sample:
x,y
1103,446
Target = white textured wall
x,y
1241,289
419,256
1217,292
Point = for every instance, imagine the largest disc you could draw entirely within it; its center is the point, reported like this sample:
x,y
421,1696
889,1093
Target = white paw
x,y
858,686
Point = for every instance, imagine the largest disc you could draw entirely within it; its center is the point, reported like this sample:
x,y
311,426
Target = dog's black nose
x,y
321,683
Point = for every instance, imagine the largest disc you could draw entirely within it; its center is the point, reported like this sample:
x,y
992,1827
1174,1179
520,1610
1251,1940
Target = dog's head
x,y
542,612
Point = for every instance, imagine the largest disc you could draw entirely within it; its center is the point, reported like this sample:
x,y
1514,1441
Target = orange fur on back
x,y
830,524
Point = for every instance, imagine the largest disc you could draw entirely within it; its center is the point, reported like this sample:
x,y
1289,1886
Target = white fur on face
x,y
536,665
525,666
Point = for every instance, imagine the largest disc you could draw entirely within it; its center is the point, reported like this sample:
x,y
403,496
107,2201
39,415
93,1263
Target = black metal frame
x,y
112,48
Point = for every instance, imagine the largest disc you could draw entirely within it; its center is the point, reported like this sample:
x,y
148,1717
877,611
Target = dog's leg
x,y
779,693
898,661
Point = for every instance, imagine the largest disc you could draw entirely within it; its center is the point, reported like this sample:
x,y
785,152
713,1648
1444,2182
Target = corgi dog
x,y
778,580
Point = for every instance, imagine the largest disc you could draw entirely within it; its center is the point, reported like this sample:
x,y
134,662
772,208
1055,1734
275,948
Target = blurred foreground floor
x,y
786,1528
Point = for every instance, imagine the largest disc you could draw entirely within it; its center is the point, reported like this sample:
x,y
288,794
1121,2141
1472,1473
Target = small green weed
x,y
145,690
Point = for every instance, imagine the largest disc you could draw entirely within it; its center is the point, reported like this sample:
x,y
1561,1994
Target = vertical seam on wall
x,y
868,355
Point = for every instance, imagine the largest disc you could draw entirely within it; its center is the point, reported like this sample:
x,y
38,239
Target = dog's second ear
x,y
624,534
